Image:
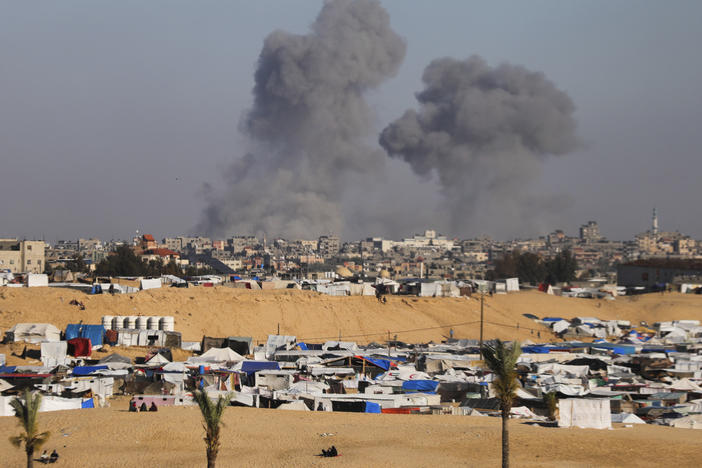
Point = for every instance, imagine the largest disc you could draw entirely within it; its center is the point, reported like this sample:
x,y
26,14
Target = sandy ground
x,y
225,311
260,437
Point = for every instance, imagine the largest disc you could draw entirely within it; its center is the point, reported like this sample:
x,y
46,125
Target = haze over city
x,y
126,116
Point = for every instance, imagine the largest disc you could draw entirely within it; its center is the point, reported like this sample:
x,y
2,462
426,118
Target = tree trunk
x,y
505,438
211,458
30,457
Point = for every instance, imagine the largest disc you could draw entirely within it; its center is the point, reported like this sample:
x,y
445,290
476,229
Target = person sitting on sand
x,y
44,458
143,407
153,406
133,407
53,457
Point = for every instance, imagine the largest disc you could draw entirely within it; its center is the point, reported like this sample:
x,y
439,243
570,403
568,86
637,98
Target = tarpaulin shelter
x,y
79,347
250,367
54,353
87,370
586,413
95,333
33,332
423,386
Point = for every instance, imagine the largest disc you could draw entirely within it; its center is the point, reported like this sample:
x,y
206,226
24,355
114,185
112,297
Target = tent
x,y
585,413
150,284
424,386
33,332
250,367
627,418
297,405
87,370
54,353
214,355
114,361
157,360
79,347
95,333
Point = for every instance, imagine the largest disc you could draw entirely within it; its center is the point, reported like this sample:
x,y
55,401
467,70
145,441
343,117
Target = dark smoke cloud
x,y
485,132
309,124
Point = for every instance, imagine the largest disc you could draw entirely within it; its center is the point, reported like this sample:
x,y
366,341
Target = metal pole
x,y
482,300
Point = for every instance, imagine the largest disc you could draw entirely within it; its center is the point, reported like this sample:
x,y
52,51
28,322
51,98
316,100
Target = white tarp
x,y
585,413
34,332
54,353
627,418
150,283
512,284
217,355
34,280
297,405
560,326
5,408
562,370
278,341
54,403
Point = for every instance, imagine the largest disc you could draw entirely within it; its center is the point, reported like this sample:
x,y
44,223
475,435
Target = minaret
x,y
655,223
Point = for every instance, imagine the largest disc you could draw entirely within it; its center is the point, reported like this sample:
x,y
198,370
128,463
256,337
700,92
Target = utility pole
x,y
482,300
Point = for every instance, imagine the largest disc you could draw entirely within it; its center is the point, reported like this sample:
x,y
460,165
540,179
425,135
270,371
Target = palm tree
x,y
26,411
502,361
212,416
551,405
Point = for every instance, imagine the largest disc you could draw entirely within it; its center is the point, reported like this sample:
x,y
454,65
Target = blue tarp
x,y
372,407
424,386
72,331
382,363
617,349
302,346
87,370
552,319
7,369
95,333
96,289
87,403
536,349
250,367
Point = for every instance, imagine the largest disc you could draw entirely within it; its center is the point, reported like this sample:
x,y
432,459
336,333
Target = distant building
x,y
590,232
328,245
653,271
22,256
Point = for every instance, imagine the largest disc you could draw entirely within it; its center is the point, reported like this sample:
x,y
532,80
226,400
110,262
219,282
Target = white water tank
x,y
152,323
167,323
117,322
130,322
141,322
107,321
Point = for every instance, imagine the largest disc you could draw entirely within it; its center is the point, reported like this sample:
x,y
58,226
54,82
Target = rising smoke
x,y
309,125
485,132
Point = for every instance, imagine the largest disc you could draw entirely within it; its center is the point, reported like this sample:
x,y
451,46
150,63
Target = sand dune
x,y
173,438
224,311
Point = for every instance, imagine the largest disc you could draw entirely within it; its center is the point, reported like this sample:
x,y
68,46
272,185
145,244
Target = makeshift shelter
x,y
115,361
95,333
585,413
54,353
79,347
33,333
149,284
217,355
240,344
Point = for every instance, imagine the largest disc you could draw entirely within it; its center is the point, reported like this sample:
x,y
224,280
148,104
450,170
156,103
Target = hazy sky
x,y
113,115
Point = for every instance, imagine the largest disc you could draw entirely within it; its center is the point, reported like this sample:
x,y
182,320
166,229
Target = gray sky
x,y
113,115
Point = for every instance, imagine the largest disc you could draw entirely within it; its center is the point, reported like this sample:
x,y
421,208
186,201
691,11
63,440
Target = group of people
x,y
46,458
330,453
134,409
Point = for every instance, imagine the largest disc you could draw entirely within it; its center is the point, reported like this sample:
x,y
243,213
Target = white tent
x,y
627,418
34,332
150,283
297,405
54,353
585,413
157,360
693,421
214,355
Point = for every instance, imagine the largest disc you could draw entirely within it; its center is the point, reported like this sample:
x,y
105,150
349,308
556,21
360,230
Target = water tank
x,y
141,322
117,322
167,323
130,322
107,321
152,323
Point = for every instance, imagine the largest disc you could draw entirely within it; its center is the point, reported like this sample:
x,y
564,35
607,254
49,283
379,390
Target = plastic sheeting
x,y
585,413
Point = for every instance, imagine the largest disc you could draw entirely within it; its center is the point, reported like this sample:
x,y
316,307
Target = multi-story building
x,y
328,245
22,256
590,232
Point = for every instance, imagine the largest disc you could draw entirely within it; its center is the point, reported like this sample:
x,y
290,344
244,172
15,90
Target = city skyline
x,y
122,131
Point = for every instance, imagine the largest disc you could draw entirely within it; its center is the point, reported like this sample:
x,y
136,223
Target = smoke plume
x,y
308,125
485,132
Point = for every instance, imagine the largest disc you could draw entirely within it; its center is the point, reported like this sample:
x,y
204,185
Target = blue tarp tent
x,y
72,331
424,386
95,333
250,367
382,363
87,370
372,407
536,349
87,403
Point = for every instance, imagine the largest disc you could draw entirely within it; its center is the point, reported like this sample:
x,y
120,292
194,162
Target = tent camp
x,y
33,333
585,413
